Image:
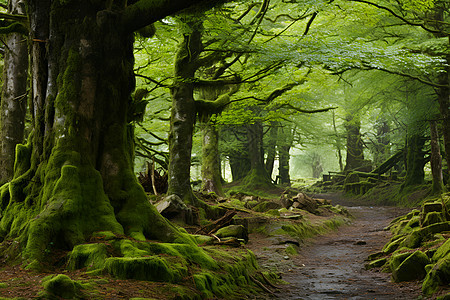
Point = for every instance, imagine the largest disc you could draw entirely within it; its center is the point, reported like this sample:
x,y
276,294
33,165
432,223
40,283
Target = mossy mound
x,y
61,287
215,272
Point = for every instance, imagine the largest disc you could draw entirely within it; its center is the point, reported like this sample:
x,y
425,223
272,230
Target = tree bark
x,y
257,176
211,177
14,95
271,147
76,177
183,115
284,157
355,151
415,160
436,160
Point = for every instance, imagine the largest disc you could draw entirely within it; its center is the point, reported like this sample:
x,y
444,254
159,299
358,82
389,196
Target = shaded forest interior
x,y
150,140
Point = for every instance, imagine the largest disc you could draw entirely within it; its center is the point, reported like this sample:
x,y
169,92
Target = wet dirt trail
x,y
332,266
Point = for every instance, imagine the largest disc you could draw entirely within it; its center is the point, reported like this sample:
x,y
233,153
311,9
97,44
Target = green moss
x,y
439,275
92,256
378,263
237,231
432,218
415,239
153,268
291,250
3,285
411,268
442,251
59,286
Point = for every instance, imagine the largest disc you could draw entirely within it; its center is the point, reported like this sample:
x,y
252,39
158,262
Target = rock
x,y
439,275
323,201
376,263
305,202
59,286
415,238
442,251
432,218
412,268
360,243
172,207
237,231
286,201
266,206
432,206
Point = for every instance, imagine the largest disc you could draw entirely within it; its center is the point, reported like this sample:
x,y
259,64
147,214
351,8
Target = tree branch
x,y
397,15
146,12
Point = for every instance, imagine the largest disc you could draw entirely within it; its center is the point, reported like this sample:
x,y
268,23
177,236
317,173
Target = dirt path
x,y
332,266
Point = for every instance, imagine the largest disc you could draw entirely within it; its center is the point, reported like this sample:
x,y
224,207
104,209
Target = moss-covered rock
x,y
415,239
433,218
59,286
378,263
413,267
237,231
266,206
439,275
442,251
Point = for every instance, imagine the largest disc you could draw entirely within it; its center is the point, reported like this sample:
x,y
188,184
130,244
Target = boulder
x,y
266,206
412,268
305,203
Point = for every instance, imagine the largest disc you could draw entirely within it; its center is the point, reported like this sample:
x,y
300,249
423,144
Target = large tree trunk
x,y
76,177
355,151
415,160
257,177
14,96
183,116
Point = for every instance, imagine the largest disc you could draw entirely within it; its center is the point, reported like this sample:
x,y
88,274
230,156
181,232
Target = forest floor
x,y
331,266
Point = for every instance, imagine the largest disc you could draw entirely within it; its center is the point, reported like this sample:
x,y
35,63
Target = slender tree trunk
x,y
14,95
284,157
183,116
436,160
271,147
211,177
338,143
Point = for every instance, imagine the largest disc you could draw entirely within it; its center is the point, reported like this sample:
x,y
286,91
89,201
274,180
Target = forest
x,y
225,149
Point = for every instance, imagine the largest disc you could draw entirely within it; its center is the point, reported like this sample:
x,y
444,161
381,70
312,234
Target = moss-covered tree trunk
x,y
355,152
183,114
211,177
257,176
436,160
14,95
415,160
76,175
